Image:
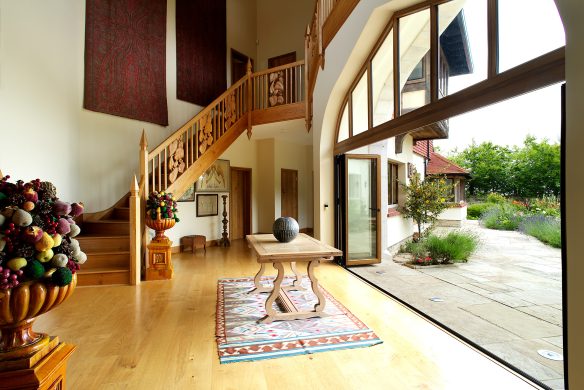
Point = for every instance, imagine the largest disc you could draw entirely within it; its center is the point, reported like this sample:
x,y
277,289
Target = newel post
x,y
145,190
144,163
307,70
249,76
135,233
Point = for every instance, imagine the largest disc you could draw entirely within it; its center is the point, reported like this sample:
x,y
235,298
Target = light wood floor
x,y
160,335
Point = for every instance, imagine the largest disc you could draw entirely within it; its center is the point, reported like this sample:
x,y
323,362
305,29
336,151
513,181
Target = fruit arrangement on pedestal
x,y
37,233
39,257
161,213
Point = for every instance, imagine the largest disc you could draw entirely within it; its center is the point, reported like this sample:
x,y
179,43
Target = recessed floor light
x,y
436,299
550,354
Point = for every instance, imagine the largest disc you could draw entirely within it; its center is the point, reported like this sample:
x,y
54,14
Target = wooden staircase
x,y
105,238
115,239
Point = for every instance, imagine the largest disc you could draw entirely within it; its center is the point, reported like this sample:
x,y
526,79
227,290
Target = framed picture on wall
x,y
216,178
207,205
189,195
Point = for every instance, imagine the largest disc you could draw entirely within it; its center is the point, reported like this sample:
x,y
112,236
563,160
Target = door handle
x,y
374,209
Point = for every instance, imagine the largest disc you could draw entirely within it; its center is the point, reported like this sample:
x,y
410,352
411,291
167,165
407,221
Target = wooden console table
x,y
303,248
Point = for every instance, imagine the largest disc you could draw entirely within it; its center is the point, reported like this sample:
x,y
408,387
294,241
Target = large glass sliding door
x,y
362,223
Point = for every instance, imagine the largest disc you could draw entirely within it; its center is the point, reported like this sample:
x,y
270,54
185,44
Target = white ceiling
x,y
293,131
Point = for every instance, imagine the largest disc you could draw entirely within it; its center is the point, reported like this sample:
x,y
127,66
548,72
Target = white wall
x,y
299,158
243,154
281,28
267,189
89,156
40,92
241,30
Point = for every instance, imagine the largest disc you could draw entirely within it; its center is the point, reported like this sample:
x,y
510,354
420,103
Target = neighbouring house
x,y
436,164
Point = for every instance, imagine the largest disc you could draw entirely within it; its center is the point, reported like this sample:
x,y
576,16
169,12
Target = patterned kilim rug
x,y
241,338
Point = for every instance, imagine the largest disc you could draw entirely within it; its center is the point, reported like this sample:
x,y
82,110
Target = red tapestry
x,y
201,50
125,59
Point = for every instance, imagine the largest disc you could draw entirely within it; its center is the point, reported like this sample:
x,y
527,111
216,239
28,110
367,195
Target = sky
x,y
522,37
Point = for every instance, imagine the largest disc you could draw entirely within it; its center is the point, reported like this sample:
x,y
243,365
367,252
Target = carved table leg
x,y
257,281
319,307
270,312
297,282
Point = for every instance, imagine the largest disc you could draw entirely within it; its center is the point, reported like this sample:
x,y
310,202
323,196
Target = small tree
x,y
425,200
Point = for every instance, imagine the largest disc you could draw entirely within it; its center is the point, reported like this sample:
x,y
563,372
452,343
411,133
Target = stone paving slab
x,y
546,313
557,341
523,355
514,321
507,298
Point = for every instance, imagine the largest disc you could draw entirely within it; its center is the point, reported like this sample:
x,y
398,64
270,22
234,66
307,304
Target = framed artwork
x,y
189,195
216,178
207,205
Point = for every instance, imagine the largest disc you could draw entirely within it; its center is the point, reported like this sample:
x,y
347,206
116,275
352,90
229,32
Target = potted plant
x,y
161,213
39,258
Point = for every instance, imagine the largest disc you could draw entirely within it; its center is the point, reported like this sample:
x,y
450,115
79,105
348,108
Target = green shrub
x,y
501,217
494,197
474,211
547,205
546,229
454,247
417,249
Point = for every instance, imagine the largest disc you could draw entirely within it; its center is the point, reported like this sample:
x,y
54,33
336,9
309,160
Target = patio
x,y
507,298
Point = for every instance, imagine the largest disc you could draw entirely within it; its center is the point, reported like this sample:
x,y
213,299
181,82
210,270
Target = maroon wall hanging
x,y
125,59
201,50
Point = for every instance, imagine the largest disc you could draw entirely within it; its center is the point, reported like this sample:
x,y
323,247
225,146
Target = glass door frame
x,y
343,192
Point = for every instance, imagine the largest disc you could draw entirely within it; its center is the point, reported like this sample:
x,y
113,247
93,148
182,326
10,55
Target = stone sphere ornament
x,y
285,229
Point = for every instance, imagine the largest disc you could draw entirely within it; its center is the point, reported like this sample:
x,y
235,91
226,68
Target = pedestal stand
x,y
225,239
44,370
159,260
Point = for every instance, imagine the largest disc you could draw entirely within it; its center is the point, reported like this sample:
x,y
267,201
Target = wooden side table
x,y
194,242
303,248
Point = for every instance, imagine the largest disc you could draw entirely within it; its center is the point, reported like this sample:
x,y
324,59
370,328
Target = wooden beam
x,y
434,53
396,89
493,37
336,19
538,73
281,113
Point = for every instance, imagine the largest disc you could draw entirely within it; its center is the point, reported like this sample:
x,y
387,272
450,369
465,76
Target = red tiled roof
x,y
421,147
440,165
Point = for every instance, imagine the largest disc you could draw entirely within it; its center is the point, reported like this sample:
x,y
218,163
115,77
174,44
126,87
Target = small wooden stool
x,y
194,242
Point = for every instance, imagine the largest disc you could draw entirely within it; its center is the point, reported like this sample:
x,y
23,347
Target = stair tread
x,y
103,270
107,221
106,252
101,235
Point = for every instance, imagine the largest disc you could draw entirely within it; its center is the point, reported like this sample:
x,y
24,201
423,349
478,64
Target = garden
x,y
515,188
511,188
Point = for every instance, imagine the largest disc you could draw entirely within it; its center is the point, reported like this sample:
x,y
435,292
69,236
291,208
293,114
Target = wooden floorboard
x,y
161,335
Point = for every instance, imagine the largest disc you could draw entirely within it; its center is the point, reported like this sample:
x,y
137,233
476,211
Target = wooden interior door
x,y
283,59
238,65
289,193
240,204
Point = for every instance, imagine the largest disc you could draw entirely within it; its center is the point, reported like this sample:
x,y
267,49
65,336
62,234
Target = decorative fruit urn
x,y
19,307
161,214
159,225
39,258
285,229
